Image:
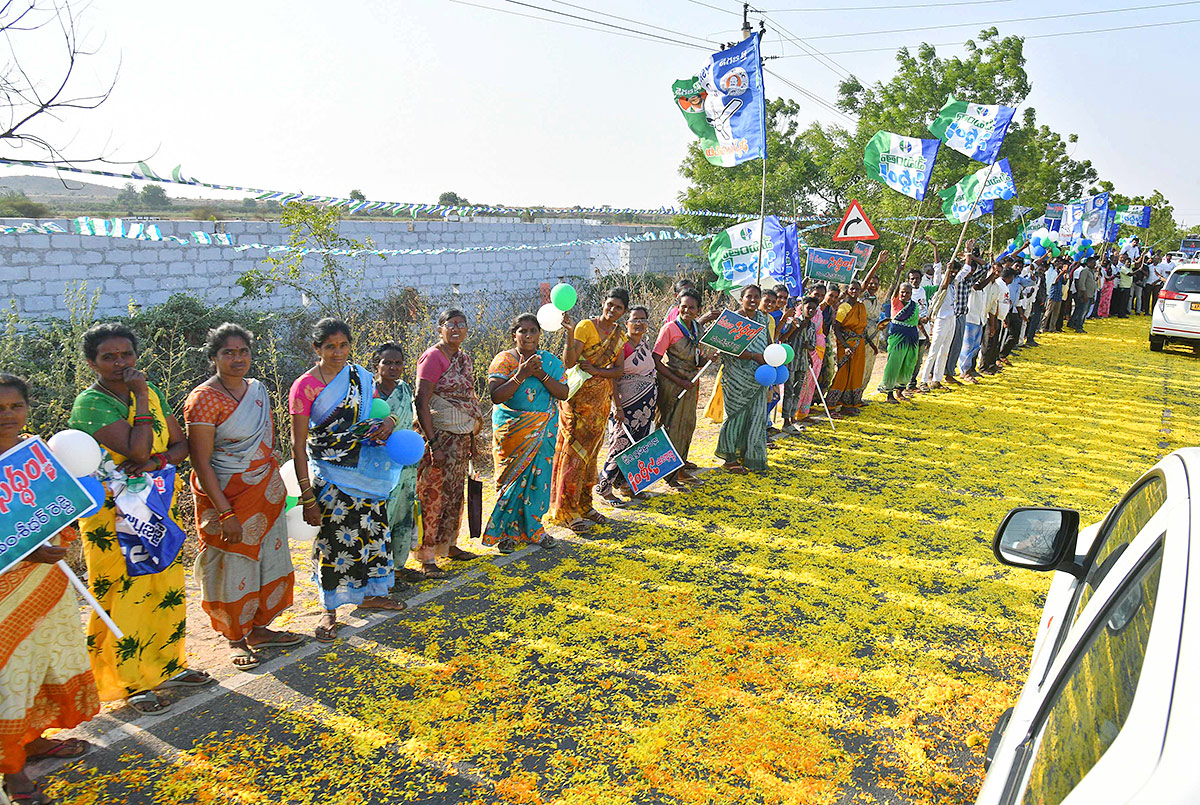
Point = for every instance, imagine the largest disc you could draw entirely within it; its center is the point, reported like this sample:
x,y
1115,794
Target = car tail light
x,y
1171,295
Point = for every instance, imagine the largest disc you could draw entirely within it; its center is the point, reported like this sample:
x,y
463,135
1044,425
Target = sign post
x,y
855,225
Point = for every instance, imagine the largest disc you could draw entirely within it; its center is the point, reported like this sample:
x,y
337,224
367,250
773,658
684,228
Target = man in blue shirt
x,y
1012,322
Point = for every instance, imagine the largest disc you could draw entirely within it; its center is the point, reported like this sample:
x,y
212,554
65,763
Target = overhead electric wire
x,y
675,31
828,105
599,22
882,8
1008,21
635,35
1029,36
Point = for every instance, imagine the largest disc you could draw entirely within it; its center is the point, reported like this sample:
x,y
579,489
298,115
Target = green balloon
x,y
1054,250
563,297
379,409
791,354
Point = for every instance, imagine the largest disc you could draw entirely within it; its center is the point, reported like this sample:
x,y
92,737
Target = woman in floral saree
x,y
742,442
525,384
849,328
403,509
352,476
634,395
448,412
244,566
130,418
45,679
594,351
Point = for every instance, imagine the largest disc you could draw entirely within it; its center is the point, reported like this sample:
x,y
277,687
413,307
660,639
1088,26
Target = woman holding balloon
x,y
244,567
45,680
525,384
345,476
131,419
403,510
742,442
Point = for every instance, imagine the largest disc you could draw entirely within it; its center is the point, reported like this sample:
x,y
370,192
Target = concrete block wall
x,y
35,269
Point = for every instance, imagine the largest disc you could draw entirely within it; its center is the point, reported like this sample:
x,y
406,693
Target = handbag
x,y
474,504
576,377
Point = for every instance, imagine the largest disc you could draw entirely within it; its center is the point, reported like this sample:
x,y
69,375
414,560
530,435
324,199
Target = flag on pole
x,y
958,215
1133,215
1072,219
957,200
1095,217
901,163
724,105
974,129
733,254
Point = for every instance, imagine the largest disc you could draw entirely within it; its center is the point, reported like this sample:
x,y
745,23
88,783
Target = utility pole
x,y
746,29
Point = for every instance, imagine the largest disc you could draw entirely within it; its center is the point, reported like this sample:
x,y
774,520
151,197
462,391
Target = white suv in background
x,y
1110,711
1176,316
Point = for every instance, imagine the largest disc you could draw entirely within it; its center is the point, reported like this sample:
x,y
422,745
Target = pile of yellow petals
x,y
837,630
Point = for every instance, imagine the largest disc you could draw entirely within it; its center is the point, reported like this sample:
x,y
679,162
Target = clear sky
x,y
404,99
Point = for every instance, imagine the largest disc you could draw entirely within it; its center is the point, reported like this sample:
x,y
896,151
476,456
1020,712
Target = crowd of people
x,y
379,524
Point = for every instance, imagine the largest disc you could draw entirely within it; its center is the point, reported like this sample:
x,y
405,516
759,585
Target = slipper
x,y
462,556
326,634
68,749
597,518
35,795
243,659
408,574
148,703
613,501
435,572
280,640
387,605
737,469
188,679
579,524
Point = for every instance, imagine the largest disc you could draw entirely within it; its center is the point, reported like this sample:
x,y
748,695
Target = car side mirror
x,y
1039,539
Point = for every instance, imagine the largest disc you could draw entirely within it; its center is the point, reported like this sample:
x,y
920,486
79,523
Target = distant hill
x,y
49,188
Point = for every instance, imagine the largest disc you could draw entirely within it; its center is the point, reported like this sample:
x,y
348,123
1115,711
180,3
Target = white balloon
x,y
550,317
775,355
78,452
297,529
288,473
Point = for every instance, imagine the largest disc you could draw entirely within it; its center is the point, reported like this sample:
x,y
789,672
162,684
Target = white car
x,y
1110,711
1176,315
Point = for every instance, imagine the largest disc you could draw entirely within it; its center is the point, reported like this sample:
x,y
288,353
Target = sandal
x,y
148,703
278,640
188,679
432,571
34,795
243,658
507,545
408,574
548,542
326,634
579,525
597,518
738,469
382,603
68,749
459,555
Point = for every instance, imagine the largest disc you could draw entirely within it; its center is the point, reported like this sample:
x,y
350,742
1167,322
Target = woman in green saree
x,y
742,442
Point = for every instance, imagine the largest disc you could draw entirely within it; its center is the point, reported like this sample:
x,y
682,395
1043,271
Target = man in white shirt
x,y
917,279
977,319
1133,248
944,323
1159,272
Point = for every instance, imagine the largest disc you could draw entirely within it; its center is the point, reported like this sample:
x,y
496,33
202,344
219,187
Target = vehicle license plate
x,y
1195,305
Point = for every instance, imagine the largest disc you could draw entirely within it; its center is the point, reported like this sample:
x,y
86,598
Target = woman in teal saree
x,y
742,442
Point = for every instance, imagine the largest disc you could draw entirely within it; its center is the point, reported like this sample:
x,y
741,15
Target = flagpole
x,y
902,265
762,207
974,204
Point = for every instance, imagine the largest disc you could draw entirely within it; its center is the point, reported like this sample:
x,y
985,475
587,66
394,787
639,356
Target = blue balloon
x,y
405,447
96,490
765,375
782,373
1038,250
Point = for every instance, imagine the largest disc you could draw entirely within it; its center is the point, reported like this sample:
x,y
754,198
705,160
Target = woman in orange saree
x,y
593,352
849,328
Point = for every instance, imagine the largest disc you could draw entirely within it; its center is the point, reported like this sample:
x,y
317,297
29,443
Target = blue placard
x,y
830,265
648,460
38,498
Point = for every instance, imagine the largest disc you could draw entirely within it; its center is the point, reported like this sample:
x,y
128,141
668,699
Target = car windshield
x,y
1184,282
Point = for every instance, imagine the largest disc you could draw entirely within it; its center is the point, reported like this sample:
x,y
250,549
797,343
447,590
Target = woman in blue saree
x,y
525,384
351,478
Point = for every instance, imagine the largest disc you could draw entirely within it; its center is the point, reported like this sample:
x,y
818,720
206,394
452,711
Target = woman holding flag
x,y
742,442
45,680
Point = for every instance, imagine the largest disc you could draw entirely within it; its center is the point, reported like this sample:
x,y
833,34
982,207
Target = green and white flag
x,y
734,252
724,105
902,163
985,184
974,129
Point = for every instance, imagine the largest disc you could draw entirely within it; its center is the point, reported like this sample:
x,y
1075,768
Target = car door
x,y
1091,729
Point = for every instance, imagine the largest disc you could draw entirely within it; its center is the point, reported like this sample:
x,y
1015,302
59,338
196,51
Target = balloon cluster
x,y
562,298
80,455
775,372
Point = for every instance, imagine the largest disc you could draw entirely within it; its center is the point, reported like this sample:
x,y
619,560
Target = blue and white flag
x,y
1095,217
1073,213
733,254
724,105
958,213
1133,215
902,163
793,266
974,129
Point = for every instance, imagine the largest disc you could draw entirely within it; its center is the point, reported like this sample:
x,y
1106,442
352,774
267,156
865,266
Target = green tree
x,y
357,195
128,198
18,205
249,205
451,199
154,197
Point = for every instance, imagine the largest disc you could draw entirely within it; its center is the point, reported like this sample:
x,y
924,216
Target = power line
x,y
885,8
894,48
635,22
635,35
812,96
1005,22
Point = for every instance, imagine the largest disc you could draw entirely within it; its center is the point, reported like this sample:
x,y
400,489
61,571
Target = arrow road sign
x,y
855,225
